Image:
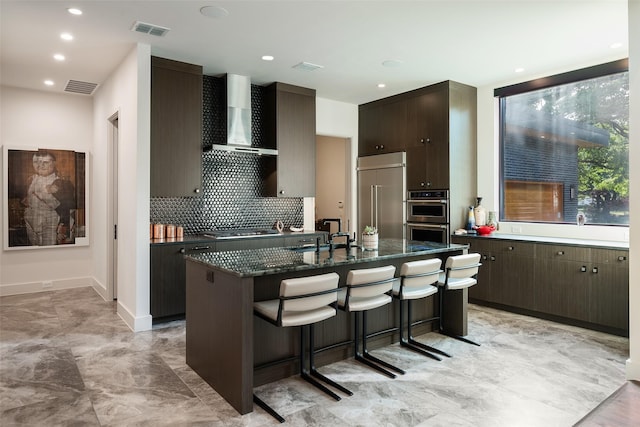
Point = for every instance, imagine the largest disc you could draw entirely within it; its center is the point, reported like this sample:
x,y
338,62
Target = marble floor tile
x,y
66,358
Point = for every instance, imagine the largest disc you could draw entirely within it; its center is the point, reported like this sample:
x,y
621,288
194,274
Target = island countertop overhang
x,y
268,261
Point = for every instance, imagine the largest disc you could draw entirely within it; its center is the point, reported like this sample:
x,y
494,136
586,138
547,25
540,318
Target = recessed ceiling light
x,y
48,82
58,57
392,63
382,85
267,58
616,45
215,12
519,70
66,36
74,11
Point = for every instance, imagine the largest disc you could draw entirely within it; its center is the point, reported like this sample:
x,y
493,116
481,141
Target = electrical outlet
x,y
47,284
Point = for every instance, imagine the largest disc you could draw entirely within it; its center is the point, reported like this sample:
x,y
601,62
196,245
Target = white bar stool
x,y
303,302
368,289
460,273
418,280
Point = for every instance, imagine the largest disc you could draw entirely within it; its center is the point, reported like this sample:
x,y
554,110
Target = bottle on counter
x,y
480,213
471,221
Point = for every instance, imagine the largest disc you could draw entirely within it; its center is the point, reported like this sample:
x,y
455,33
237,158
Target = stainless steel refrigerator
x,y
382,190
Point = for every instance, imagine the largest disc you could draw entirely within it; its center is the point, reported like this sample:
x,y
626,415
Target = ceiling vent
x,y
307,66
83,88
154,30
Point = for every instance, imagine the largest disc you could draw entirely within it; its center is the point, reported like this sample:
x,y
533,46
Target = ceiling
x,y
473,42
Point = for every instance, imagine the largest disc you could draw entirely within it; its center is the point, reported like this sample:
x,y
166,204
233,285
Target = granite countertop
x,y
259,262
605,244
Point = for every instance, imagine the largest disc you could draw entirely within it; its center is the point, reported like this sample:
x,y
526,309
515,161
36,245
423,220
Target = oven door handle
x,y
430,202
423,225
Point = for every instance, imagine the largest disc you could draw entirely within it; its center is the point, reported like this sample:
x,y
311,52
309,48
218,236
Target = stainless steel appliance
x,y
428,206
428,215
382,188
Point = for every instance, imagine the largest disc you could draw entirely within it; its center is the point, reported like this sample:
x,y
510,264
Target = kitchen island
x,y
227,345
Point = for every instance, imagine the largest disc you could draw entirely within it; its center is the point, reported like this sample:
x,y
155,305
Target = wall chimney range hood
x,y
238,118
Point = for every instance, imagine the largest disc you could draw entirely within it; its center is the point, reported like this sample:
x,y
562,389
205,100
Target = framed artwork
x,y
45,198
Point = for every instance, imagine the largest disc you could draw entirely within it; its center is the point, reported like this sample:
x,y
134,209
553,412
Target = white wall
x,y
633,364
127,92
339,119
43,119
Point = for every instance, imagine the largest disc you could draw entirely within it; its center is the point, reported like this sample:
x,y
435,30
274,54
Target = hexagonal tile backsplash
x,y
230,198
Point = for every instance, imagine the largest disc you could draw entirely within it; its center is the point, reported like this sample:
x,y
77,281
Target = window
x,y
564,147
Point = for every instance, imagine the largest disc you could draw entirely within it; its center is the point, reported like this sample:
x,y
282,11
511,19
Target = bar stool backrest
x,y
309,293
462,266
378,281
418,274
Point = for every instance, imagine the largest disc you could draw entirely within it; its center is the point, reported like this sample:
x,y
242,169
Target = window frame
x,y
601,70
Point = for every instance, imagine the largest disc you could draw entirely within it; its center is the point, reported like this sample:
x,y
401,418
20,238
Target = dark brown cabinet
x,y
436,126
168,266
176,128
506,274
382,127
168,269
586,284
609,288
290,127
563,281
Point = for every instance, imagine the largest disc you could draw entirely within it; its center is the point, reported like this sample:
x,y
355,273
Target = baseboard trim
x,y
633,370
44,286
137,324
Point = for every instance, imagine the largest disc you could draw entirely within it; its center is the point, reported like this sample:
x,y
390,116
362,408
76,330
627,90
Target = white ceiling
x,y
474,42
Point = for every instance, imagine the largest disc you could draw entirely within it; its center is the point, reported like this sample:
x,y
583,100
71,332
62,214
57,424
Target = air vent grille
x,y
154,30
83,88
307,66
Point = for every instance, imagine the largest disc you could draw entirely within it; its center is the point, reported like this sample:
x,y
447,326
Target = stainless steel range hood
x,y
238,114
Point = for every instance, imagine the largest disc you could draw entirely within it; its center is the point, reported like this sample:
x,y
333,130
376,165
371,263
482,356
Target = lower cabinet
x,y
168,267
168,278
589,285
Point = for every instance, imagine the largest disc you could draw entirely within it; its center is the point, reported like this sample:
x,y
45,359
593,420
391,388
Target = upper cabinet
x,y
176,128
290,126
382,127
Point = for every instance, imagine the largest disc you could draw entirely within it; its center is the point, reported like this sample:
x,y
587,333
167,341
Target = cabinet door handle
x,y
422,184
197,190
428,183
182,250
281,192
594,270
622,258
583,269
200,248
427,140
560,252
511,248
484,257
493,258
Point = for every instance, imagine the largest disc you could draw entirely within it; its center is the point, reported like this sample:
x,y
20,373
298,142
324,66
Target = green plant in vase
x,y
370,238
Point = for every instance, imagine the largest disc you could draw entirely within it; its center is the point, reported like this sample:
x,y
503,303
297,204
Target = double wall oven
x,y
428,215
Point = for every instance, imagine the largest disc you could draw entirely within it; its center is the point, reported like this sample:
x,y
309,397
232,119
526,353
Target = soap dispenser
x,y
480,213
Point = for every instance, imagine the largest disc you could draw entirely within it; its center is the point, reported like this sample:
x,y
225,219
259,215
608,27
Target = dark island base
x,y
225,341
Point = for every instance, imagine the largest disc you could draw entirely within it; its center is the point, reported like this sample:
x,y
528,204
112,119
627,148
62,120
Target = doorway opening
x,y
112,210
333,182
